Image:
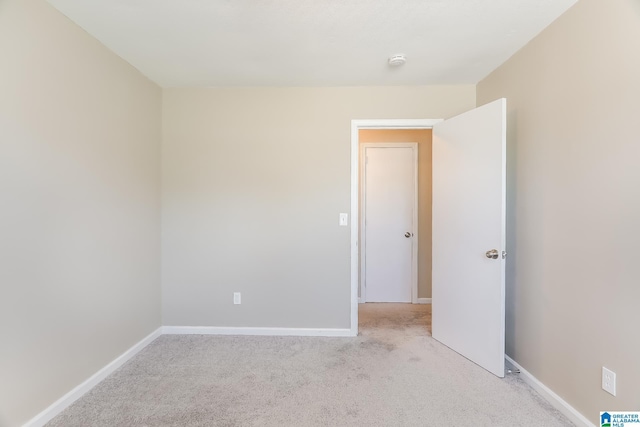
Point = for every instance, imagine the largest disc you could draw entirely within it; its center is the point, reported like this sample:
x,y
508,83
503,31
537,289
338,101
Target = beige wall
x,y
423,138
574,203
79,207
253,182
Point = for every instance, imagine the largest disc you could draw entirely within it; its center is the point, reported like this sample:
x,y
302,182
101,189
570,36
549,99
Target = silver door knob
x,y
492,254
407,234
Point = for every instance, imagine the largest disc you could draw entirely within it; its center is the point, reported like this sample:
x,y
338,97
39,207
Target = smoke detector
x,y
397,60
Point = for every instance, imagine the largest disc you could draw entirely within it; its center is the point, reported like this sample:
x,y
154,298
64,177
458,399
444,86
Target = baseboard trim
x,y
556,401
65,401
418,301
285,332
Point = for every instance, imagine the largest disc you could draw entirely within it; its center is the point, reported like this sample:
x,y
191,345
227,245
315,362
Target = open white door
x,y
469,192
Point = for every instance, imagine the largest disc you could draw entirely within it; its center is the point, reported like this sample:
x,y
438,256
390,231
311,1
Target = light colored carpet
x,y
393,374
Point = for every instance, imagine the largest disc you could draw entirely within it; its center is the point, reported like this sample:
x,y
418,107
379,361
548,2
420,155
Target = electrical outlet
x,y
608,381
236,298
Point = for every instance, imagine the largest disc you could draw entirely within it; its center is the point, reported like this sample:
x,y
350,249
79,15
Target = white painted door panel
x,y
468,220
389,187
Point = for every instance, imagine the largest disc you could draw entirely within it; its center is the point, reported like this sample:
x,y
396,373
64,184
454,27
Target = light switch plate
x,y
237,298
608,381
344,219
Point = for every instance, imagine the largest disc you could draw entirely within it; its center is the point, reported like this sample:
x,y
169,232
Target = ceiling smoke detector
x,y
397,60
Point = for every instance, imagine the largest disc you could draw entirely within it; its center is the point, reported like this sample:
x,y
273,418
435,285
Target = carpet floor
x,y
392,374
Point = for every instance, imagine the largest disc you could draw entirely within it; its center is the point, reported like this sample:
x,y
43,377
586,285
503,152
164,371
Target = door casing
x,y
414,229
356,126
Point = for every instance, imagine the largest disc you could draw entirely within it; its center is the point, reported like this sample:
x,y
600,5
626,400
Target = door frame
x,y
414,215
356,125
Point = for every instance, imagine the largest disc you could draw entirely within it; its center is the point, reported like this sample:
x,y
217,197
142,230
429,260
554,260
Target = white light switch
x,y
344,219
608,381
236,298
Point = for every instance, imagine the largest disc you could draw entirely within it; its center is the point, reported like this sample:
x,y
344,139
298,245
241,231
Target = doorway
x,y
468,239
356,127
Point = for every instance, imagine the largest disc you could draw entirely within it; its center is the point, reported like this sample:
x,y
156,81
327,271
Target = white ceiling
x,y
199,43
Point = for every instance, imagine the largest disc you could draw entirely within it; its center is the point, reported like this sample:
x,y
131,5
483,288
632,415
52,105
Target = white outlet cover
x,y
608,381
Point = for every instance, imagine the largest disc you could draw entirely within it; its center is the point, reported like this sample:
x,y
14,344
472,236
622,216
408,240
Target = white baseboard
x,y
418,301
65,401
288,332
556,401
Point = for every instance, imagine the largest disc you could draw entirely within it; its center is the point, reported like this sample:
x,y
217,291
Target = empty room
x,y
322,213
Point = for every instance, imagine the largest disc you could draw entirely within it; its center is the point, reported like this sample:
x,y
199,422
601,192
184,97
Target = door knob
x,y
407,234
492,254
